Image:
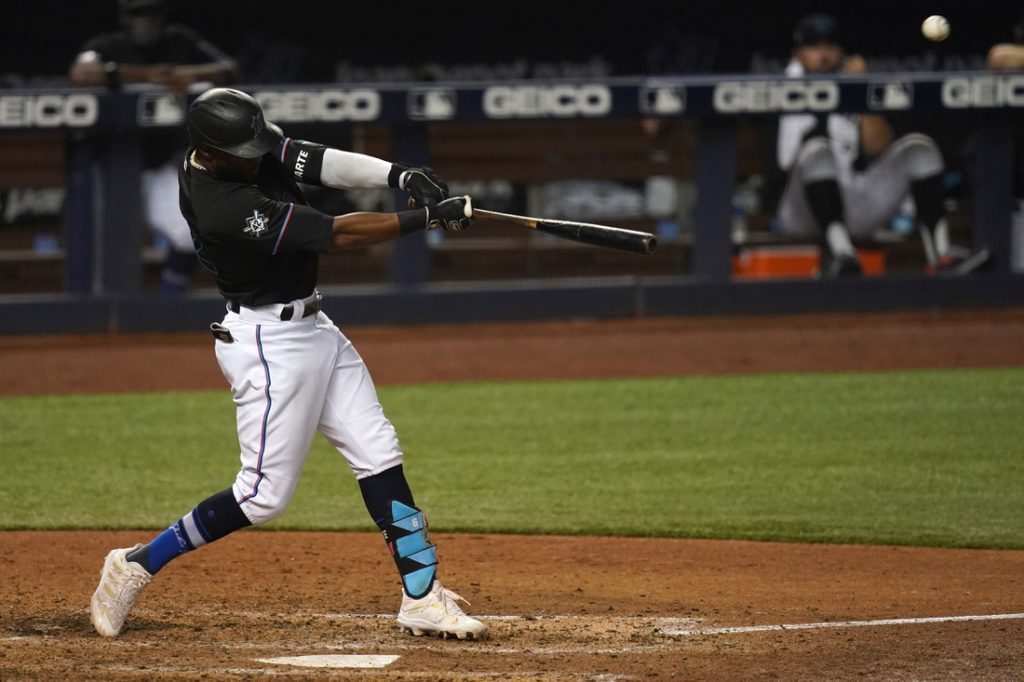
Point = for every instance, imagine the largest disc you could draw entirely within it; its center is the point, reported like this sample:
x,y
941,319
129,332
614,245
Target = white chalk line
x,y
695,632
341,615
665,630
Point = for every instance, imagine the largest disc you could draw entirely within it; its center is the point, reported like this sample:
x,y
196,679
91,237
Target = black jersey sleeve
x,y
304,160
248,219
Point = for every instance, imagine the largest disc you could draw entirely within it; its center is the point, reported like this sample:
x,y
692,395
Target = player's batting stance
x,y
292,373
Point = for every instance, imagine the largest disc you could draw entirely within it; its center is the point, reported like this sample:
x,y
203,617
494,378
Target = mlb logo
x,y
663,100
161,109
432,104
890,96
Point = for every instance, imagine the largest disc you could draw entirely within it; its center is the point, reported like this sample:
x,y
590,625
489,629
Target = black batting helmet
x,y
231,121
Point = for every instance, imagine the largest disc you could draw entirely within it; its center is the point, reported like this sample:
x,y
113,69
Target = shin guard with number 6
x,y
416,558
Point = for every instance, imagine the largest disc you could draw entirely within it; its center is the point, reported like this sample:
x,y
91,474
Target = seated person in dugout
x,y
848,174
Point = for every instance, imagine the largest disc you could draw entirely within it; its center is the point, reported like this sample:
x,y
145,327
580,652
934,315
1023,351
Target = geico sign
x,y
49,111
324,105
561,101
731,97
983,91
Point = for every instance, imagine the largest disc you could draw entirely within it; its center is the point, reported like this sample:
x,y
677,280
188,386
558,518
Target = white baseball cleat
x,y
437,613
121,583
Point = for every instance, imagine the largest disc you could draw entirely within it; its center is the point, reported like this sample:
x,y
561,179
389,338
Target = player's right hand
x,y
451,215
423,186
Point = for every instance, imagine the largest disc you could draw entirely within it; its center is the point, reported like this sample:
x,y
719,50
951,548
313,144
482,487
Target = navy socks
x,y
212,519
380,489
387,497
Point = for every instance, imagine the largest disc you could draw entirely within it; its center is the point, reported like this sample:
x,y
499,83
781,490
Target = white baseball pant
x,y
290,380
870,197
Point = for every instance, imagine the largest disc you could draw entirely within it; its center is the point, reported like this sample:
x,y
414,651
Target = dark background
x,y
307,41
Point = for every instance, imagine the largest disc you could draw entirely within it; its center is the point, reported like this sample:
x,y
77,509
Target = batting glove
x,y
423,186
451,215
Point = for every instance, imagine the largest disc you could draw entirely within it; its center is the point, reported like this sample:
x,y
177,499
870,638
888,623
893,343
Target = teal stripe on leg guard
x,y
411,544
407,518
415,557
427,557
418,583
418,571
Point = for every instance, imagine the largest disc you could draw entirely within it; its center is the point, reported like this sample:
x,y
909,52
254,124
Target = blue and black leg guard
x,y
416,558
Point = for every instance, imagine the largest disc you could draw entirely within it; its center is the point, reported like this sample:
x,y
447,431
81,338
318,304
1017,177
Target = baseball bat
x,y
586,233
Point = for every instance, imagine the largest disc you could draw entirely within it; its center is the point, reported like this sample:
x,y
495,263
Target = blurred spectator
x,y
1009,56
848,175
147,49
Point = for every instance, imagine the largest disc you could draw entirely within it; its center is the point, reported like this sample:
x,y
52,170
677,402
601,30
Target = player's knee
x,y
919,154
262,511
816,161
266,501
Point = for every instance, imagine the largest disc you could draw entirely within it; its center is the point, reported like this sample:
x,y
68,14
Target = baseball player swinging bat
x,y
587,233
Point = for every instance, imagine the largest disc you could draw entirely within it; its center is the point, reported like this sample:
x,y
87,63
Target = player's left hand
x,y
423,186
451,215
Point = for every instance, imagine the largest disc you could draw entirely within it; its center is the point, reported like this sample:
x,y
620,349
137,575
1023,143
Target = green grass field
x,y
916,458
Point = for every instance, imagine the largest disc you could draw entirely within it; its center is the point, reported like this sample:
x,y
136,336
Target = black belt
x,y
287,312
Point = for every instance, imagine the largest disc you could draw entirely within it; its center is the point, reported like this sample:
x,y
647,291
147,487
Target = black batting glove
x,y
423,186
450,215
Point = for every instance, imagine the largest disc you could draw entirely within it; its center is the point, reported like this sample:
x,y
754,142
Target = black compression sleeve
x,y
395,174
410,221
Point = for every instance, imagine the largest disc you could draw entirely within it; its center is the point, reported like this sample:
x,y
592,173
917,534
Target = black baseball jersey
x,y
178,45
259,238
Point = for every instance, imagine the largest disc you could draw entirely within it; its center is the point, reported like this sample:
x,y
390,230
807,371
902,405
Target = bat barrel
x,y
601,235
586,233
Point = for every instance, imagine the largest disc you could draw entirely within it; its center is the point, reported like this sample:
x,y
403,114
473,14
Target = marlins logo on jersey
x,y
256,224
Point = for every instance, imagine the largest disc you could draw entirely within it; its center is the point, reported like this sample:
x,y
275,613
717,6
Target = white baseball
x,y
935,28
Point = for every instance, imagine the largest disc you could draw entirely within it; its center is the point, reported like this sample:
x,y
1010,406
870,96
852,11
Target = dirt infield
x,y
578,349
558,608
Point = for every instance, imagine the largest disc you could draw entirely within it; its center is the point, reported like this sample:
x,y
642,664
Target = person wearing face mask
x,y
148,49
848,175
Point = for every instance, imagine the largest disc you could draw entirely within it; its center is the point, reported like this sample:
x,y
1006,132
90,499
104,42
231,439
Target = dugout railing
x,y
102,246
